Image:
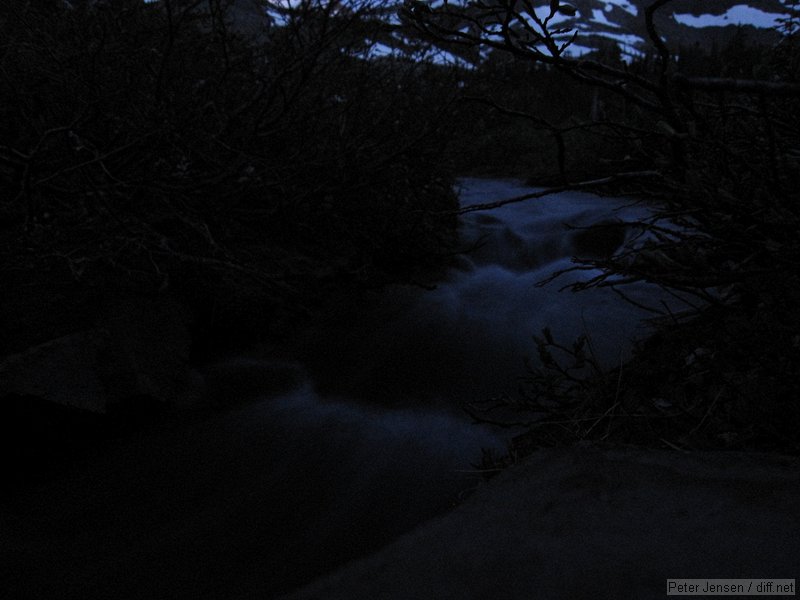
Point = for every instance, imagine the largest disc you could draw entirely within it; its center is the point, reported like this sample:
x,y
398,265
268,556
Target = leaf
x,y
554,6
568,9
666,128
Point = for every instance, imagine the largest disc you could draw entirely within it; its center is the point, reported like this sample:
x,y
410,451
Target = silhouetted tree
x,y
189,138
717,150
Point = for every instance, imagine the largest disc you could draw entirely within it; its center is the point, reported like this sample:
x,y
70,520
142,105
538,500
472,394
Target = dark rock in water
x,y
39,306
80,364
236,380
601,240
487,219
105,371
134,348
64,370
506,248
149,351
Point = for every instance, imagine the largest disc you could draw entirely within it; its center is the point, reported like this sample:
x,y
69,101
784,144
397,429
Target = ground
x,y
592,522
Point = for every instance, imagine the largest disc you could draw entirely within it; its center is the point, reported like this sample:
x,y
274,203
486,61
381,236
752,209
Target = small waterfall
x,y
467,339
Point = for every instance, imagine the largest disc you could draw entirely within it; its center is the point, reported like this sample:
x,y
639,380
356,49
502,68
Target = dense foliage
x,y
711,137
157,144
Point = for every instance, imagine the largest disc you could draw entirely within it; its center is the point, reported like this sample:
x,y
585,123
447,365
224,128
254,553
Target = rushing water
x,y
365,442
468,338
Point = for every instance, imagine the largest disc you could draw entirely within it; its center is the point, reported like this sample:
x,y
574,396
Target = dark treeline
x,y
514,104
157,147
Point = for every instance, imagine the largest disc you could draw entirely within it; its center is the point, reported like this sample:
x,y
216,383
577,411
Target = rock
x,y
118,370
148,352
235,380
601,240
585,522
64,371
134,347
37,306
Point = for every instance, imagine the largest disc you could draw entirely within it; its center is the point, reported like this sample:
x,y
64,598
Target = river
x,y
366,442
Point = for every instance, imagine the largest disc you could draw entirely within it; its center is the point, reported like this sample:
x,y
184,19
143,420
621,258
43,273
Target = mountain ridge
x,y
680,23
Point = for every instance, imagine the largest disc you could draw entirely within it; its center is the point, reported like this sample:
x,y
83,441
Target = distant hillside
x,y
680,23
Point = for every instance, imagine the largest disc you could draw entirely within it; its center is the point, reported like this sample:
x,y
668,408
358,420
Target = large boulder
x,y
65,370
600,240
78,366
133,348
592,523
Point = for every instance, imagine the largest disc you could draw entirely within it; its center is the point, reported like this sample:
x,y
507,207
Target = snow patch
x,y
626,39
740,14
598,16
576,50
623,4
378,50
